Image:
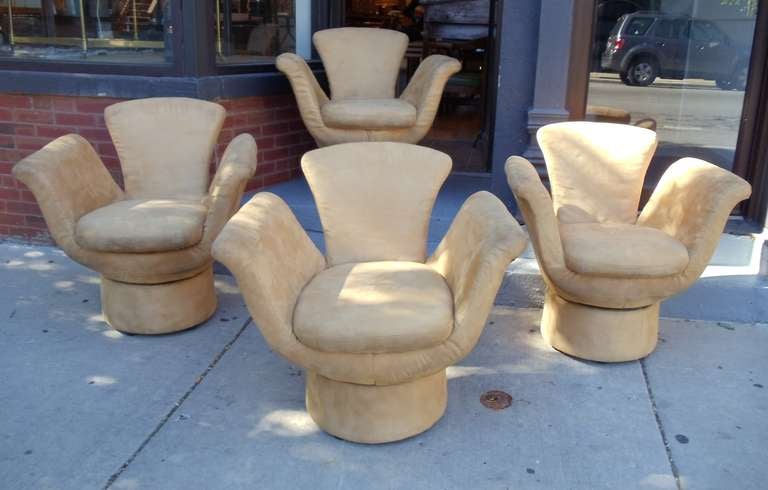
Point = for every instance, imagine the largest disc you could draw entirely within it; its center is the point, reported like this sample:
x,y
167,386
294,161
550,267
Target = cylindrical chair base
x,y
158,308
599,334
376,414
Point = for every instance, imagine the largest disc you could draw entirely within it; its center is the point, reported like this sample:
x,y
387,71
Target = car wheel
x,y
724,84
624,76
642,72
739,79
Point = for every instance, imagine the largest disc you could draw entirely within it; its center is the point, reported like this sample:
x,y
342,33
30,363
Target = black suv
x,y
646,45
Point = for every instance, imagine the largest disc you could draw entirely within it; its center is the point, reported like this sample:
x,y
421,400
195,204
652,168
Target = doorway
x,y
457,28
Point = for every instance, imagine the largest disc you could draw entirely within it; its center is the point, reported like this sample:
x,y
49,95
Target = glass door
x,y
679,67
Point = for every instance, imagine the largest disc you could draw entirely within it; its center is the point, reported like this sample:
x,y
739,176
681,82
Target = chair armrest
x,y
692,202
272,259
68,180
309,95
536,205
237,165
473,257
425,88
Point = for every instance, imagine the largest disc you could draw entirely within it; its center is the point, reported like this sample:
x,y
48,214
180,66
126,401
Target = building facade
x,y
527,63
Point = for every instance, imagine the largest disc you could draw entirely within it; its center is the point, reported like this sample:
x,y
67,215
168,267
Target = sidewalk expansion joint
x,y
176,406
660,426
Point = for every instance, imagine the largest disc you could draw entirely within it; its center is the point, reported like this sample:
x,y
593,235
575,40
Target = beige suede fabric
x,y
142,225
678,207
273,259
588,264
382,319
376,414
374,307
294,295
145,240
369,114
142,131
619,250
375,199
362,67
596,170
361,63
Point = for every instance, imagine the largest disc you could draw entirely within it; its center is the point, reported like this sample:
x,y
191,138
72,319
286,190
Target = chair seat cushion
x,y
369,114
621,250
374,307
142,226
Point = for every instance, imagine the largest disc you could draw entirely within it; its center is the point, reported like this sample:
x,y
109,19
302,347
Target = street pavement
x,y
692,116
86,407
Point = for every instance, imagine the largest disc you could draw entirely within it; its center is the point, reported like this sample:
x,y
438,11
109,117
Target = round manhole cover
x,y
496,400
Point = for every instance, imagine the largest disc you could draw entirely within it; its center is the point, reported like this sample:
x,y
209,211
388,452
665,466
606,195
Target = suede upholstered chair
x,y
362,66
151,242
607,267
375,322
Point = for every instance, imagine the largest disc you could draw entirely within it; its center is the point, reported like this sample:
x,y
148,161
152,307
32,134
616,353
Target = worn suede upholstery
x,y
394,224
362,66
374,307
361,63
143,236
142,225
400,317
619,250
149,169
369,113
596,172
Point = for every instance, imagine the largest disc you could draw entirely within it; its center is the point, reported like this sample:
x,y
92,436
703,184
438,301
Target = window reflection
x,y
93,30
249,31
679,66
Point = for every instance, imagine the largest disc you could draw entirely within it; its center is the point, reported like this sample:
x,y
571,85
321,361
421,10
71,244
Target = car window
x,y
638,26
670,28
705,31
616,27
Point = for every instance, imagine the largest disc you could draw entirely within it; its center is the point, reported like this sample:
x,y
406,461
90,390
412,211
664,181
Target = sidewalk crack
x,y
660,426
176,406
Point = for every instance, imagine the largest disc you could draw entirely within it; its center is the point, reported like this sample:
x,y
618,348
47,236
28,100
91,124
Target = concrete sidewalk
x,y
86,407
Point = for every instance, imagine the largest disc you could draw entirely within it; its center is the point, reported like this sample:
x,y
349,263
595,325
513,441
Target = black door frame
x,y
751,157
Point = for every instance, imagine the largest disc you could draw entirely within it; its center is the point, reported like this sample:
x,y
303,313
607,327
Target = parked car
x,y
645,45
607,13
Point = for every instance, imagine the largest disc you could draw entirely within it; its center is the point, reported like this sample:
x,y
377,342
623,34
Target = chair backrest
x,y
165,144
361,62
596,170
375,199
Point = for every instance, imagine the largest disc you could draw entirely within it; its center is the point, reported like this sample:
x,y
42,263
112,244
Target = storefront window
x,y
677,66
251,31
107,31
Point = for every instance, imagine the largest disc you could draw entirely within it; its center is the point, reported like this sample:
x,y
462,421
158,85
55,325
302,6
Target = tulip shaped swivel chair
x,y
375,322
362,66
151,242
606,267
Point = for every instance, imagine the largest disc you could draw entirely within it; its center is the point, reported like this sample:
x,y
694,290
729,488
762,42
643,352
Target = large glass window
x,y
252,31
106,31
676,66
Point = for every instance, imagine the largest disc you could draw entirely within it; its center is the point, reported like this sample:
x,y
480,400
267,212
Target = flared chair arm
x,y
309,95
237,165
68,180
537,208
425,88
472,257
272,259
692,202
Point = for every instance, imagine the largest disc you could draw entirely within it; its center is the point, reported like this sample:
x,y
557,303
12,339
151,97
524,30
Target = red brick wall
x,y
28,122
